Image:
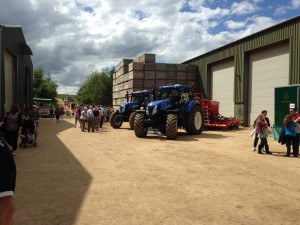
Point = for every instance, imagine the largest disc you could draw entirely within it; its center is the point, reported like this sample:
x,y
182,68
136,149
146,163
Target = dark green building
x,y
244,74
16,69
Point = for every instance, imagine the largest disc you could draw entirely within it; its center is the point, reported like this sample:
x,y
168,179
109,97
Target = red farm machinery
x,y
212,118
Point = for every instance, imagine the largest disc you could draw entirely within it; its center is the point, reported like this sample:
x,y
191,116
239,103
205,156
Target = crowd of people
x,y
289,134
90,117
15,125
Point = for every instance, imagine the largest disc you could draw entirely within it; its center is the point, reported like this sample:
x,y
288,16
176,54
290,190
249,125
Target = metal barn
x,y
16,69
243,75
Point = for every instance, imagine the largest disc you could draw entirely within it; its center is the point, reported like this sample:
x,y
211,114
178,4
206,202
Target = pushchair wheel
x,y
24,145
34,144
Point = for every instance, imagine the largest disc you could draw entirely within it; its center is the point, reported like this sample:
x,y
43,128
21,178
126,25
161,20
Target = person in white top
x,y
103,115
83,119
90,119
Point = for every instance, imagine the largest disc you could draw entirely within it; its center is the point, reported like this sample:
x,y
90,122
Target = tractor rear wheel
x,y
115,120
195,121
139,126
171,126
131,120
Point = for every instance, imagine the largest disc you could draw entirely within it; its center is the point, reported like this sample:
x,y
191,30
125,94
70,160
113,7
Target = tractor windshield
x,y
168,94
175,94
137,97
142,97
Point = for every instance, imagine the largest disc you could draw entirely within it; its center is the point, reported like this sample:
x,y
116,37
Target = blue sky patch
x,y
88,9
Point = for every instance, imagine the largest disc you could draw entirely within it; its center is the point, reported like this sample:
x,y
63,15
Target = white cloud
x,y
243,8
235,25
295,4
70,39
292,5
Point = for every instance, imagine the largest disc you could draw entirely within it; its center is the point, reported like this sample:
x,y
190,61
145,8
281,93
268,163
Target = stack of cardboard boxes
x,y
143,73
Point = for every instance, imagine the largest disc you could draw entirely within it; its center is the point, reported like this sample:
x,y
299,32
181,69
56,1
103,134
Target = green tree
x,y
97,90
44,87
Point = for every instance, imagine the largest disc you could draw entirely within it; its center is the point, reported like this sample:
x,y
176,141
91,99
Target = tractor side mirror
x,y
127,96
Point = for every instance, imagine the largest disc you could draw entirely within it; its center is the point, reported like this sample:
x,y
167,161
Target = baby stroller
x,y
27,133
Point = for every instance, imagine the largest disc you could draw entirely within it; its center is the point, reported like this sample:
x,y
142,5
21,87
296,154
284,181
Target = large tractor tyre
x,y
195,121
171,126
115,120
139,127
131,120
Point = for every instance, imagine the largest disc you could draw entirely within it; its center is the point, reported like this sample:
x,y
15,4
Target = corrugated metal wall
x,y
11,40
286,31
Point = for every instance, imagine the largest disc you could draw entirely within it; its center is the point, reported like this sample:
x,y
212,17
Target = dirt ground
x,y
112,177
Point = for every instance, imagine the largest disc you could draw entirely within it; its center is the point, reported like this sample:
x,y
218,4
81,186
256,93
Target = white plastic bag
x,y
252,134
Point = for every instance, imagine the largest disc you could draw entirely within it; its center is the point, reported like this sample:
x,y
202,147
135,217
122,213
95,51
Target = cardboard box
x,y
150,66
181,67
160,66
147,58
181,75
136,66
170,67
170,75
159,83
136,74
124,62
160,75
149,75
149,84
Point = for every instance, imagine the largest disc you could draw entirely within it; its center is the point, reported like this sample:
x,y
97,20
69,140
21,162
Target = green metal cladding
x,y
288,31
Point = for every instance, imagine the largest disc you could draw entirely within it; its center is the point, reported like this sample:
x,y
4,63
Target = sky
x,y
70,39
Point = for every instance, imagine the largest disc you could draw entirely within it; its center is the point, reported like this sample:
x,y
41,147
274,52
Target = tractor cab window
x,y
138,98
164,94
146,100
185,95
148,97
174,94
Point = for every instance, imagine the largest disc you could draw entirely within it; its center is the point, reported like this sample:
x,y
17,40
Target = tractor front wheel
x,y
171,126
115,120
195,121
139,126
131,120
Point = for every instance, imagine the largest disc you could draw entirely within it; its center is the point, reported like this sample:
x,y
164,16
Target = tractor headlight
x,y
122,109
154,110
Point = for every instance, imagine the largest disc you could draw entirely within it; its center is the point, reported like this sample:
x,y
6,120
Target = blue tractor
x,y
126,113
175,109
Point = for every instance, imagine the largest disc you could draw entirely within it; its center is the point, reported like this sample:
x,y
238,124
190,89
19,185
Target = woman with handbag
x,y
261,127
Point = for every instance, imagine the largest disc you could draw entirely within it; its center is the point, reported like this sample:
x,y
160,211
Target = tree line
x,y
96,90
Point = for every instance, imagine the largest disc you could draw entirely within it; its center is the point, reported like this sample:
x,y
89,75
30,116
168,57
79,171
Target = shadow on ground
x,y
51,183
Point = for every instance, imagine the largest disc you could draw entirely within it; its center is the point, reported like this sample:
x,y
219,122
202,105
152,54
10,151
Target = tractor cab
x,y
172,97
142,98
126,113
177,94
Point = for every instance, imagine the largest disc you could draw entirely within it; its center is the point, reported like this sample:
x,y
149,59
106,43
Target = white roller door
x,y
223,86
269,68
